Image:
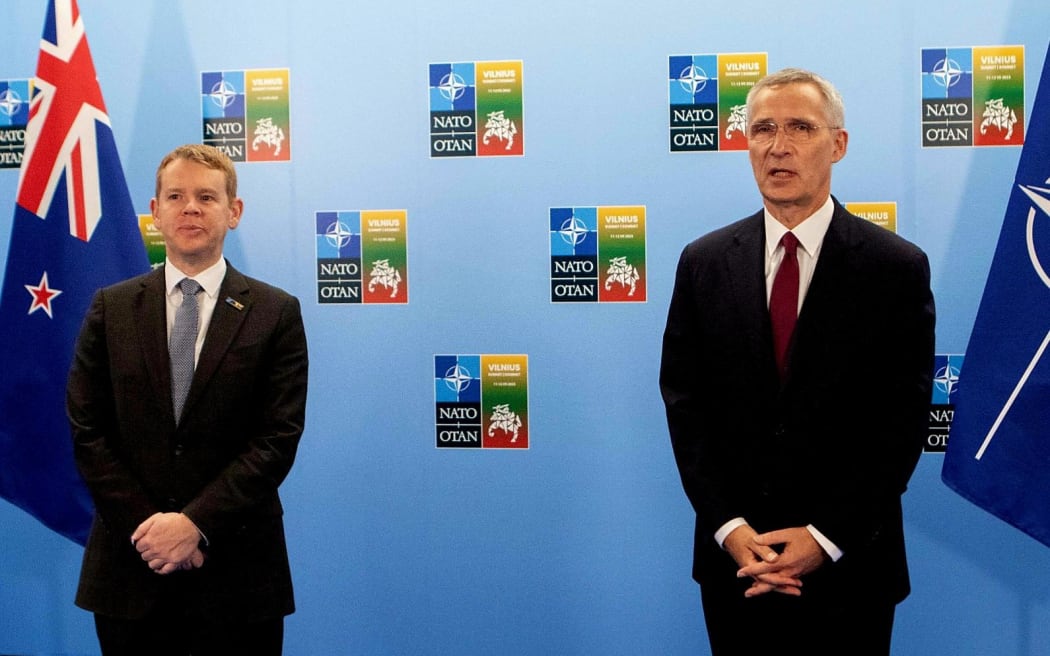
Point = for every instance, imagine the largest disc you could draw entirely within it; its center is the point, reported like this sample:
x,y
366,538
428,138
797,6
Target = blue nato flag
x,y
998,452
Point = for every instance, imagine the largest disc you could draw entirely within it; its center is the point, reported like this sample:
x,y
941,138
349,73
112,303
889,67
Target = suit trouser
x,y
813,624
171,629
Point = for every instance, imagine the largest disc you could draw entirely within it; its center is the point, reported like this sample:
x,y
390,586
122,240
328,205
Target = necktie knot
x,y
189,287
790,243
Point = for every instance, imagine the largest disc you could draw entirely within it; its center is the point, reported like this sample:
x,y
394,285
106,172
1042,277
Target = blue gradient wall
x,y
582,543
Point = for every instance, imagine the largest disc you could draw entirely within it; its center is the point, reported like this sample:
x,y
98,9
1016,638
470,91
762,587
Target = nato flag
x,y
998,453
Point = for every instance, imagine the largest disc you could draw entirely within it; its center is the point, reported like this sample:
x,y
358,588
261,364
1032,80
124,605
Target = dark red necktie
x,y
783,301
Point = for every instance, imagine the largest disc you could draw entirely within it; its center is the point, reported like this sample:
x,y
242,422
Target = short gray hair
x,y
834,108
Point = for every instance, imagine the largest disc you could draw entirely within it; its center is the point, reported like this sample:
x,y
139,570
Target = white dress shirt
x,y
810,233
210,280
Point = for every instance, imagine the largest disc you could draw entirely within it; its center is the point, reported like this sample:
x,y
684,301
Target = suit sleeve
x,y
121,501
682,360
279,414
863,501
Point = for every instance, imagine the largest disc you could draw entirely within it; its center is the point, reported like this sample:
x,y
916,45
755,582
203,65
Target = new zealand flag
x,y
999,445
74,230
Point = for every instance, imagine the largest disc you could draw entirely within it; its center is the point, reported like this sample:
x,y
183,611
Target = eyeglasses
x,y
798,131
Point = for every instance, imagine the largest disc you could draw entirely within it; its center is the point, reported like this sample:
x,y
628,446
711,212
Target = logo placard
x,y
598,254
246,114
362,256
708,99
477,109
973,96
946,370
481,401
153,240
14,117
882,214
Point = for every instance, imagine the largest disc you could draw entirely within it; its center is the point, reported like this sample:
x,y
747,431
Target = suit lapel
x,y
745,260
826,298
827,276
231,308
151,321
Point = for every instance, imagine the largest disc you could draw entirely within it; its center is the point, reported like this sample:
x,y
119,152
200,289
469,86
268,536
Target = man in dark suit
x,y
183,453
796,375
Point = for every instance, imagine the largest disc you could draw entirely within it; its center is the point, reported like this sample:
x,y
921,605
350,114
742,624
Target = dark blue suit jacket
x,y
835,444
221,465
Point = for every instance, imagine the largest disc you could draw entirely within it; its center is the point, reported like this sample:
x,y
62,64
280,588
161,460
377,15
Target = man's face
x,y
193,213
794,176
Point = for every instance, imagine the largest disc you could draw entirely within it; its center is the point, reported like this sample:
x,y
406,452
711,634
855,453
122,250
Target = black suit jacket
x,y
835,444
221,465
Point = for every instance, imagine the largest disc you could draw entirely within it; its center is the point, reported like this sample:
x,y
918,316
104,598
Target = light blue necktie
x,y
182,345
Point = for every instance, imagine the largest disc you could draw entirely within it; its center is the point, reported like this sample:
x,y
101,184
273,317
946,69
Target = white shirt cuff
x,y
727,528
827,545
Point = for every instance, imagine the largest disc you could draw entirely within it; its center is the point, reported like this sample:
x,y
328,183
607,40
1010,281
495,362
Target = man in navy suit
x,y
798,406
187,550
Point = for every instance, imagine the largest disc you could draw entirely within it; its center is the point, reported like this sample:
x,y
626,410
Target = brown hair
x,y
209,156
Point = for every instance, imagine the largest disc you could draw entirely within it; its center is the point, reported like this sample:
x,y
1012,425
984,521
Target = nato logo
x,y
693,94
947,73
457,395
338,257
574,254
973,96
453,101
946,370
14,117
223,109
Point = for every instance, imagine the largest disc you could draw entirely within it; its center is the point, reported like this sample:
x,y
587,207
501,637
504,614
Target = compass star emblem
x,y
1040,196
947,72
573,231
9,102
452,87
42,295
338,234
947,379
457,378
223,94
693,79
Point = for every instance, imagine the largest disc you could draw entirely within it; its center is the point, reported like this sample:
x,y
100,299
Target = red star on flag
x,y
42,296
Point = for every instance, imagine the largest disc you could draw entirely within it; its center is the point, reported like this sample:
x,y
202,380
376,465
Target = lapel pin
x,y
234,304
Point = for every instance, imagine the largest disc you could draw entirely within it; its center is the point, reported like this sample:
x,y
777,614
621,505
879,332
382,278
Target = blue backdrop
x,y
581,544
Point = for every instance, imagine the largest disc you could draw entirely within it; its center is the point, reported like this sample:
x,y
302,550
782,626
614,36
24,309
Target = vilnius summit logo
x,y
973,96
481,401
476,109
708,99
598,254
246,114
362,256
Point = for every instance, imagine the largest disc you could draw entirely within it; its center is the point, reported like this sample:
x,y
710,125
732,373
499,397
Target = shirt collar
x,y
210,279
810,231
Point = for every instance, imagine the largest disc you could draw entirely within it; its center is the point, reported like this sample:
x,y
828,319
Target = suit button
x,y
172,504
780,431
179,449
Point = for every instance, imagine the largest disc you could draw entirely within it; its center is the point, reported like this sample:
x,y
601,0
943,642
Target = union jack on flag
x,y
75,230
66,101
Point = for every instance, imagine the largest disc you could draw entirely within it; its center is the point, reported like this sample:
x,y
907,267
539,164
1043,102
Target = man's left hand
x,y
801,554
166,541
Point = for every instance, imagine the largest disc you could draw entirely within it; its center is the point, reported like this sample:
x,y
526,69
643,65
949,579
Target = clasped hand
x,y
168,542
770,570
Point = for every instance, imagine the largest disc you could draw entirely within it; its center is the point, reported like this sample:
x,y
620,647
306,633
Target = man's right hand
x,y
741,545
